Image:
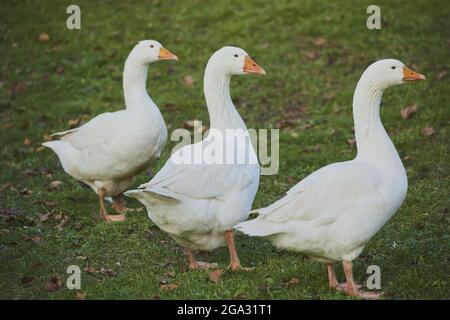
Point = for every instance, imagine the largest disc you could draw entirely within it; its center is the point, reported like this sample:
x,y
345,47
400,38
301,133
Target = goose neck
x,y
134,84
372,140
223,115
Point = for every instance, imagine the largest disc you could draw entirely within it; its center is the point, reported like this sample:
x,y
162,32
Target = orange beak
x,y
250,66
165,54
409,75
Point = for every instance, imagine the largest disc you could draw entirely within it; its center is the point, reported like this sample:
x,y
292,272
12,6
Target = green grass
x,y
282,38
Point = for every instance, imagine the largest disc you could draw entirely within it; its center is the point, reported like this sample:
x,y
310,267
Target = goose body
x,y
198,201
109,150
332,213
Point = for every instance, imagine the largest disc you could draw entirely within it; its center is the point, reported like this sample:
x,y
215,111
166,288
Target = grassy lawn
x,y
313,51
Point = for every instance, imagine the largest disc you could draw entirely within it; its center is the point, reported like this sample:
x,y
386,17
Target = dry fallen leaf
x,y
59,71
3,187
53,283
168,287
441,75
44,217
108,272
55,185
291,180
80,295
215,275
90,269
27,280
293,282
36,239
408,111
312,55
428,131
17,88
170,107
63,222
74,122
196,125
188,80
351,142
44,37
320,41
27,141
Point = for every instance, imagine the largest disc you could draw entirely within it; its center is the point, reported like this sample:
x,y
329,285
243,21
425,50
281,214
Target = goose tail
x,y
68,155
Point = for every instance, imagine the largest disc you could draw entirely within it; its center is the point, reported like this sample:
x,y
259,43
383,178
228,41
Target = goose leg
x,y
351,288
103,213
119,205
234,258
194,264
332,280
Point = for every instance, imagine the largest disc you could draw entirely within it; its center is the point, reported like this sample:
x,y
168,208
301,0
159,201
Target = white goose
x,y
198,202
106,152
331,214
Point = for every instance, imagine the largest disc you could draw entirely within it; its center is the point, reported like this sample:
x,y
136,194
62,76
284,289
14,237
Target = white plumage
x,y
331,214
198,203
106,152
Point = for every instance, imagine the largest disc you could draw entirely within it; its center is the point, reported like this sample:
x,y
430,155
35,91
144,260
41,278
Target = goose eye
x,y
235,55
393,67
152,46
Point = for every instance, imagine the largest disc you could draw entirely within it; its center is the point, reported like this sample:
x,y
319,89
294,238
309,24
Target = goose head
x,y
231,61
148,51
389,72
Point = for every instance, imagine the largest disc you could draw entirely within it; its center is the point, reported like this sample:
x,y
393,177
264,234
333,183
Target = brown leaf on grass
x,y
27,141
428,131
74,122
408,111
441,75
53,283
42,171
291,180
285,123
406,158
329,95
188,80
44,37
240,296
44,217
27,280
50,204
25,192
63,222
312,55
3,187
292,283
351,142
35,239
170,107
108,272
80,295
59,71
81,258
196,125
216,275
55,185
90,269
320,41
168,287
16,88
